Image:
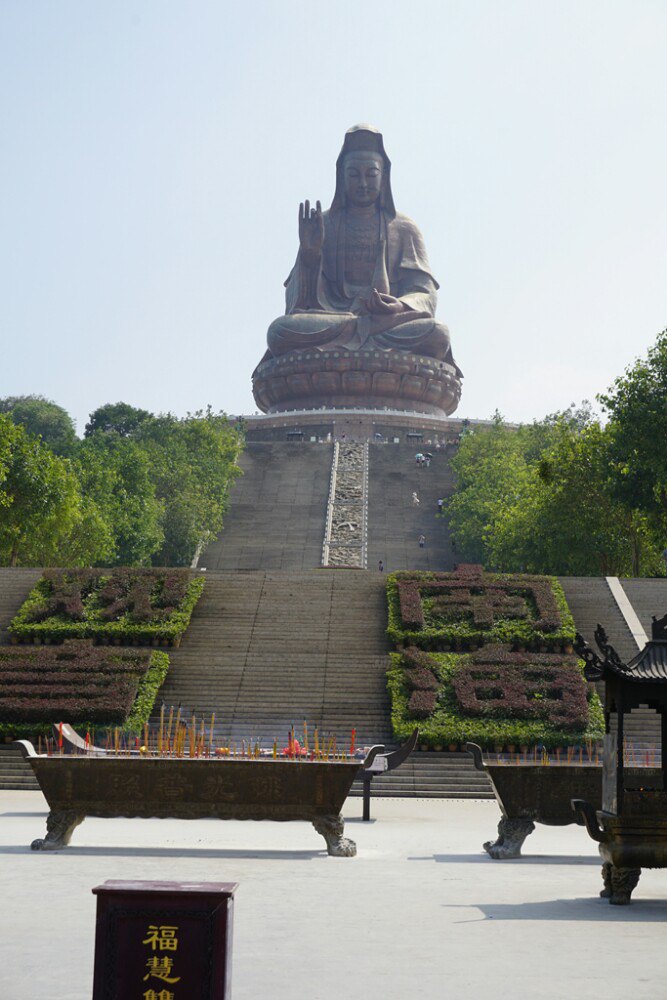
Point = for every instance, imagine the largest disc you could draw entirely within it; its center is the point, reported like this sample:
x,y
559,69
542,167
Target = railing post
x,y
367,778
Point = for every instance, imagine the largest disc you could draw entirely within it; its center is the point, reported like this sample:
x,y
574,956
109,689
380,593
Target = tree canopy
x,y
637,408
116,418
554,497
44,418
192,466
44,517
138,489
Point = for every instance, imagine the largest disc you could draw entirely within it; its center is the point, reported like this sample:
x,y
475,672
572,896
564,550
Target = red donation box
x,y
163,940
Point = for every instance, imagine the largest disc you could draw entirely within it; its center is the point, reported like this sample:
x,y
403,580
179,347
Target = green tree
x,y
193,464
116,418
138,488
490,468
637,408
114,473
8,434
568,519
44,519
542,499
43,418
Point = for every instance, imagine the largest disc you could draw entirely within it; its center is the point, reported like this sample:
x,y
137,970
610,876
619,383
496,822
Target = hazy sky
x,y
154,154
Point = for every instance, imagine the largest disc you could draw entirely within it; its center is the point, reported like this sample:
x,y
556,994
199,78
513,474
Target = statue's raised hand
x,y
311,230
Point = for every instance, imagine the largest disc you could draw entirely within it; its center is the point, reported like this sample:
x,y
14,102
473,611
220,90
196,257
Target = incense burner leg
x,y
331,828
511,835
623,881
60,825
606,893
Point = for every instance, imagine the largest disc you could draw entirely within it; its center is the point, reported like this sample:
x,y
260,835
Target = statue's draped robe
x,y
325,311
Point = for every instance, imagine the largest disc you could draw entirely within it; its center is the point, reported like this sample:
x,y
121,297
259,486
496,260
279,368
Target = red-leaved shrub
x,y
75,681
502,683
469,593
422,704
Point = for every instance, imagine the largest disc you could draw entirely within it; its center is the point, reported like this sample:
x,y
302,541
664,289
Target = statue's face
x,y
362,174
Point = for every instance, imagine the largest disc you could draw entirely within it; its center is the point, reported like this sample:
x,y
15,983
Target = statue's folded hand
x,y
380,303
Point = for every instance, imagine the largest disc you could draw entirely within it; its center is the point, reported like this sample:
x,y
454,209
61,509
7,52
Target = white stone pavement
x,y
421,912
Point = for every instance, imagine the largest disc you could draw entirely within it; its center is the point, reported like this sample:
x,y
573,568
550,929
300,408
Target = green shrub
x,y
546,623
117,606
77,683
149,686
449,724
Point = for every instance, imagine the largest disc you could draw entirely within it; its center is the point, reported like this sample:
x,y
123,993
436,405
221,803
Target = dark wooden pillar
x,y
619,753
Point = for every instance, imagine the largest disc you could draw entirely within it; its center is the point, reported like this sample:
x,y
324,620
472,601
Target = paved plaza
x,y
420,912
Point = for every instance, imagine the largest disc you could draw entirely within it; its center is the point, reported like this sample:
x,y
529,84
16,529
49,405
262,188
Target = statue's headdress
x,y
364,138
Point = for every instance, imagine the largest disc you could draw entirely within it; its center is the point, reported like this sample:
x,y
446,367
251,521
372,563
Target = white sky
x,y
154,154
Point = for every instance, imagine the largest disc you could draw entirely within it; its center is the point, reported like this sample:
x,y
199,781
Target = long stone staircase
x,y
266,650
277,515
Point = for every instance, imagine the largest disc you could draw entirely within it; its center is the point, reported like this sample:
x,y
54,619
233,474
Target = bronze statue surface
x,y
361,276
361,283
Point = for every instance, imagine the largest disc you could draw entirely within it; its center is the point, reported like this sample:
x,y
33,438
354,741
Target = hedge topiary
x,y
486,657
469,607
78,683
119,606
493,696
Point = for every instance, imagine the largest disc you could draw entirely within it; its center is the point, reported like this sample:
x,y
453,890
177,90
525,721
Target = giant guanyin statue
x,y
361,285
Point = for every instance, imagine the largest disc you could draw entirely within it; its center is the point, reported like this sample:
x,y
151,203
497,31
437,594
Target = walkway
x,y
421,911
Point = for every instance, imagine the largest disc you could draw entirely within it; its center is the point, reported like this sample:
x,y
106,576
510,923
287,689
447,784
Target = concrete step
x,y
266,650
277,512
591,602
432,775
15,585
395,521
15,772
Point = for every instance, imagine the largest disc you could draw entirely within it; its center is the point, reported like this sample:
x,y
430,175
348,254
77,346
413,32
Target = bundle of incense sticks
x,y
172,736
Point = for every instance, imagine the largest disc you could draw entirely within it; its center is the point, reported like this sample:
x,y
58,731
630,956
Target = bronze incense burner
x,y
534,793
97,783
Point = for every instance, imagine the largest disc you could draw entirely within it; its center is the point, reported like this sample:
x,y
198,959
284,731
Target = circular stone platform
x,y
304,380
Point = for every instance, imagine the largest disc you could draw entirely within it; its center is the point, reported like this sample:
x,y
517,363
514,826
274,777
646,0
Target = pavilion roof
x,y
649,665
